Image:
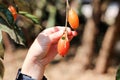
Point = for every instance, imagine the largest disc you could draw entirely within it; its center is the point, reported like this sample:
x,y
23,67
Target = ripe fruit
x,y
13,11
73,19
63,45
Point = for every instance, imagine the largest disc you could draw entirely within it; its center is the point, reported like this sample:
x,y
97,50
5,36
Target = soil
x,y
58,69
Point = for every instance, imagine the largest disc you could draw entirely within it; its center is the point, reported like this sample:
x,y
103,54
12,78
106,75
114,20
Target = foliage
x,y
118,74
8,25
6,15
30,16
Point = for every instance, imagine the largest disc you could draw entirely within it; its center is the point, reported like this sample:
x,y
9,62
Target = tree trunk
x,y
85,52
107,44
107,47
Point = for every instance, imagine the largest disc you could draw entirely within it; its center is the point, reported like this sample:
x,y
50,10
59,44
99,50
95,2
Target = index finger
x,y
54,29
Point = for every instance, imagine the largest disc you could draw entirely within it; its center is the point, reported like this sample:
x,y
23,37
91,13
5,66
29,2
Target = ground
x,y
62,70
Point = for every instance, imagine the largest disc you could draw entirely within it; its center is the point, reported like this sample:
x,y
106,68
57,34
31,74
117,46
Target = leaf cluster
x,y
9,25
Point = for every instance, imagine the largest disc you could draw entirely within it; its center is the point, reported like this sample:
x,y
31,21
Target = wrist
x,y
33,68
21,76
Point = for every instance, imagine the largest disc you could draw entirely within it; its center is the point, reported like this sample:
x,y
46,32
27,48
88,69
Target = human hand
x,y
44,49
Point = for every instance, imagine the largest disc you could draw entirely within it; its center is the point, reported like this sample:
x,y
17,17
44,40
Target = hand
x,y
43,50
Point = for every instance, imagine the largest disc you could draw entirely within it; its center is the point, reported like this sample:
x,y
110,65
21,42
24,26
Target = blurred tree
x,y
107,46
86,50
94,26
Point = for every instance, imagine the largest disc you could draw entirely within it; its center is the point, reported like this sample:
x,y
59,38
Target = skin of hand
x,y
43,50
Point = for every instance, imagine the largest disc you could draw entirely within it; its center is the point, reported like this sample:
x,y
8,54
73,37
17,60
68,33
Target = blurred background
x,y
94,53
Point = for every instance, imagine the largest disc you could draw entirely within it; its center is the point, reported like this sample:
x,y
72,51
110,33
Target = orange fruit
x,y
63,45
73,19
13,11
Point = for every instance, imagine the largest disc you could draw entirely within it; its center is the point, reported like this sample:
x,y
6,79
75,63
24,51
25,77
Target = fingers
x,y
55,33
74,33
56,36
55,29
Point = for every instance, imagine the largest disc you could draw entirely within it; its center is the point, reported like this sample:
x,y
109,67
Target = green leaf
x,y
1,47
30,16
4,21
20,34
7,14
118,74
12,33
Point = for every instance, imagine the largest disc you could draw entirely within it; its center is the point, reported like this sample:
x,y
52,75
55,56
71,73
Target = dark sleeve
x,y
21,76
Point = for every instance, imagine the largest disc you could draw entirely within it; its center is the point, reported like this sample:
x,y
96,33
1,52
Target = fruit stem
x,y
67,9
67,3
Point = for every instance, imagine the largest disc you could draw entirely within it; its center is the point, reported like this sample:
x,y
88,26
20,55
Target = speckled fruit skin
x,y
63,45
